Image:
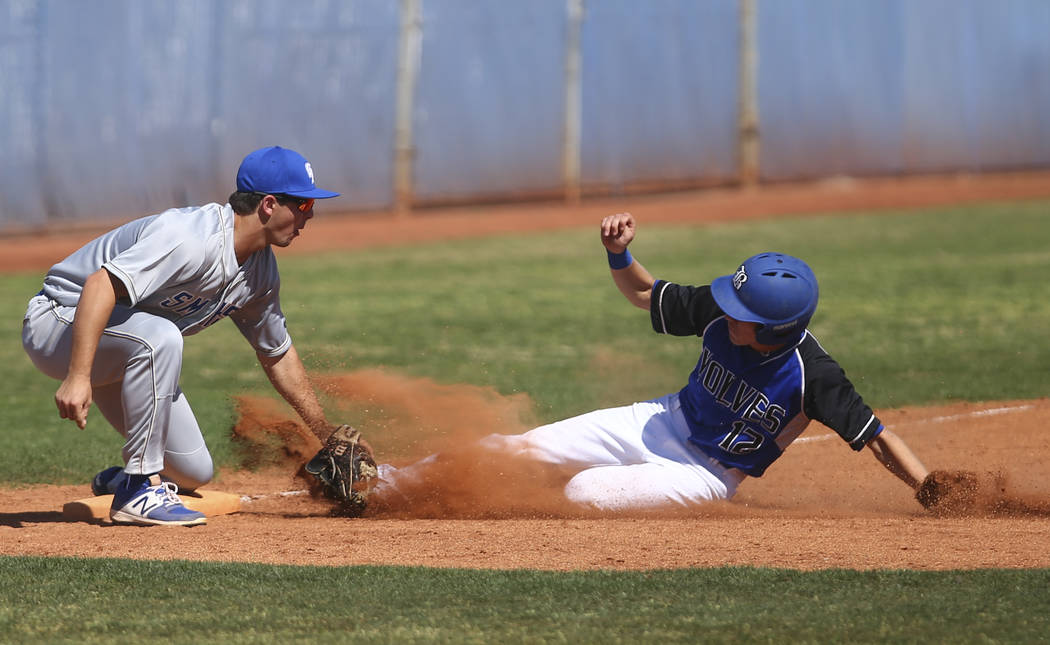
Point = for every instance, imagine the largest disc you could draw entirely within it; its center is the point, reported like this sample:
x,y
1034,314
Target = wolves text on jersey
x,y
735,393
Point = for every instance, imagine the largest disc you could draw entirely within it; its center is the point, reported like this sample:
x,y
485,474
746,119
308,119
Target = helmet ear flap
x,y
762,334
769,335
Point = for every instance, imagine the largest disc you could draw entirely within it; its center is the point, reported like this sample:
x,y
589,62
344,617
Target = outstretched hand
x,y
617,231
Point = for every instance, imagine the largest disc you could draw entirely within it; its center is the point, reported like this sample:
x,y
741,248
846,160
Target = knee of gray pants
x,y
188,470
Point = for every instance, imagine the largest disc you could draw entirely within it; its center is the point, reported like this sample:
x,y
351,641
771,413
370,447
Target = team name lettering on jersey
x,y
184,302
732,392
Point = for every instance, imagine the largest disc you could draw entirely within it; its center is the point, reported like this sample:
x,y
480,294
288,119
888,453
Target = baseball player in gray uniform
x,y
761,377
110,320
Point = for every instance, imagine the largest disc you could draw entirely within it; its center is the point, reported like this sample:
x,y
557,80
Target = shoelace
x,y
167,491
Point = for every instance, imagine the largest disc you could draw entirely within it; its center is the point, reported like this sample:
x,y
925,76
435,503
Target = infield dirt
x,y
821,506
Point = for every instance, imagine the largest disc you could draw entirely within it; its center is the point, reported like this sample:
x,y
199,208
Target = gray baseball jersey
x,y
180,265
181,275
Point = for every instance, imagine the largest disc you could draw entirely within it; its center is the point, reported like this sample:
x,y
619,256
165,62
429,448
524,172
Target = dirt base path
x,y
821,506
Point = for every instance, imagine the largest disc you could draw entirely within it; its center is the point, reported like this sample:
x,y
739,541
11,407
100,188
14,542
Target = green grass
x,y
87,601
919,307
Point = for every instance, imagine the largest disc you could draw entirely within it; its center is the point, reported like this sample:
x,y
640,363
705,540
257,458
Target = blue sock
x,y
134,482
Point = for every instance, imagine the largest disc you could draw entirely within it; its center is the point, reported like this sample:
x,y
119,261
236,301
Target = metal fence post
x,y
573,107
408,62
747,133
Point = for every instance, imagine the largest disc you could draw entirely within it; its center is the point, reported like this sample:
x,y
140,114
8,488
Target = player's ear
x,y
266,206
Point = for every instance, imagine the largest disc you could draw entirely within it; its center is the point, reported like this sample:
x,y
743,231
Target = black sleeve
x,y
681,310
831,399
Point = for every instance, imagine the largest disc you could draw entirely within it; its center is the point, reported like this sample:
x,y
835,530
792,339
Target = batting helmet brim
x,y
729,301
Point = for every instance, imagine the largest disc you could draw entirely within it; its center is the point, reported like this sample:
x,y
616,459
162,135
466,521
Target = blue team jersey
x,y
744,407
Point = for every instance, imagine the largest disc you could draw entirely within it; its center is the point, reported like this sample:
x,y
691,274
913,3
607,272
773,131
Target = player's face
x,y
288,218
742,333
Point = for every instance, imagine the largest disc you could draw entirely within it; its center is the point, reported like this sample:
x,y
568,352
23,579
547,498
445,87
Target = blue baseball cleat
x,y
142,501
107,481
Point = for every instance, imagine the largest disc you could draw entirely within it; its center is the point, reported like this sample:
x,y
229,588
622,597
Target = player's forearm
x,y
898,458
631,278
97,300
289,378
635,283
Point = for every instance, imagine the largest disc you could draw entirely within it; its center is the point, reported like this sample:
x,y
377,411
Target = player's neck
x,y
248,236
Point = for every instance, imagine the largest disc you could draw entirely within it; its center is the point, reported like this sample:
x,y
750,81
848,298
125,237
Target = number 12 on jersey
x,y
741,440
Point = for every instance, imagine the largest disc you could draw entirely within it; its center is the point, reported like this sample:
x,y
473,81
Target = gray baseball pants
x,y
135,384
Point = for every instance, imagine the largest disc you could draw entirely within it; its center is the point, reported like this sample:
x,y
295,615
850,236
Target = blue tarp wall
x,y
111,109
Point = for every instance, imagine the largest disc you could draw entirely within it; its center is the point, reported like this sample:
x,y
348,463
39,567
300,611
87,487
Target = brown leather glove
x,y
345,470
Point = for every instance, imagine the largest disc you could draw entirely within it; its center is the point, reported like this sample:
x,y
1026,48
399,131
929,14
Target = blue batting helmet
x,y
777,291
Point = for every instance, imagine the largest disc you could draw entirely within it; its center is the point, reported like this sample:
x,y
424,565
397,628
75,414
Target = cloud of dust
x,y
269,434
962,493
406,419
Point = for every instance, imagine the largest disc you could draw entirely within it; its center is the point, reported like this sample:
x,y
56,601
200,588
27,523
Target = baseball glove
x,y
345,470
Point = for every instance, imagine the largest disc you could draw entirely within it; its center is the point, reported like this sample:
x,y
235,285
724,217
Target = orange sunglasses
x,y
302,204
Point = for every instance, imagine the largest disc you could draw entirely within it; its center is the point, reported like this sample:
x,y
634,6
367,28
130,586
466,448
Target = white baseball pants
x,y
632,458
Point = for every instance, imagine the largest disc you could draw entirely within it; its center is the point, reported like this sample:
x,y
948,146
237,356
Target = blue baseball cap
x,y
279,171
